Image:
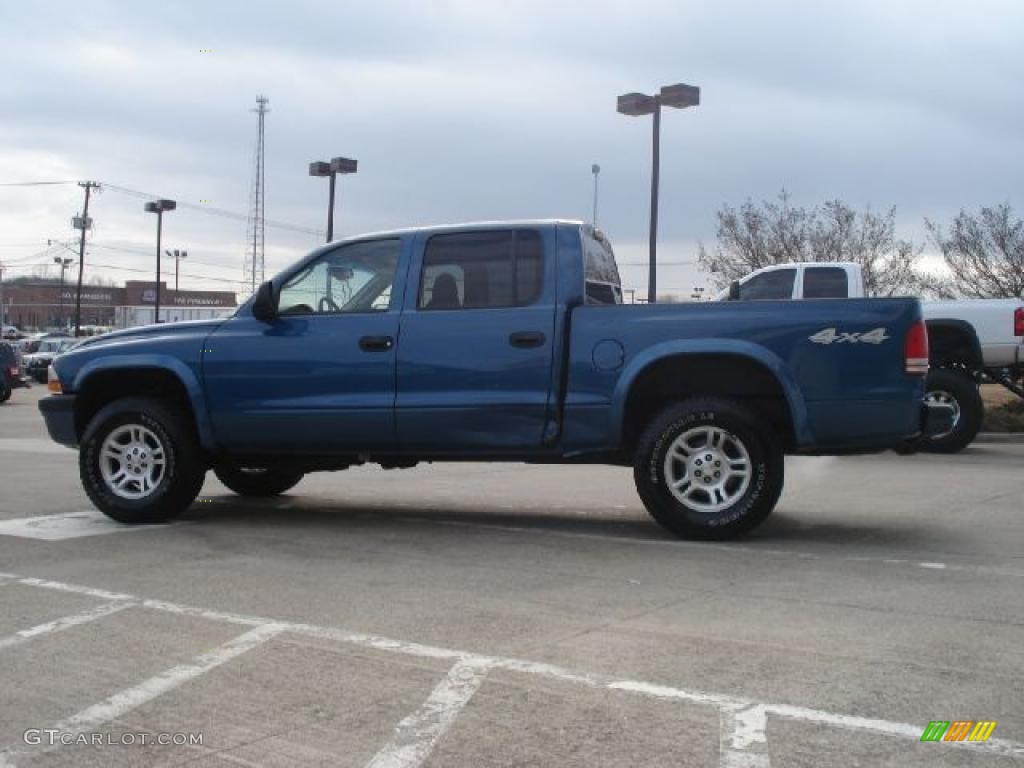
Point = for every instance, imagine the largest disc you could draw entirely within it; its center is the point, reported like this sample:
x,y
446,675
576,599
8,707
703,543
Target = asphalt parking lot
x,y
486,615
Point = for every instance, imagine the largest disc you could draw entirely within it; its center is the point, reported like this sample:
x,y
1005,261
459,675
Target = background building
x,y
36,305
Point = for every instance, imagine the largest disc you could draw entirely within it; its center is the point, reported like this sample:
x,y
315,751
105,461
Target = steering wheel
x,y
327,305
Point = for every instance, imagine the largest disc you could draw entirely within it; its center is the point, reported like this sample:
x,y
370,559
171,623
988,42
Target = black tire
x,y
257,481
752,503
5,389
183,470
960,390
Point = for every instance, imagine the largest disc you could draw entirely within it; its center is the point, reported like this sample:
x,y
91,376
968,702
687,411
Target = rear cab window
x,y
825,283
602,285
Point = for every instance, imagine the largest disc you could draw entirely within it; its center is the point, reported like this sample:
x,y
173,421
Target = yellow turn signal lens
x,y
52,382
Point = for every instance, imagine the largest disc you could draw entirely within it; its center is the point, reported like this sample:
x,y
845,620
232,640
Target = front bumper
x,y
936,419
59,414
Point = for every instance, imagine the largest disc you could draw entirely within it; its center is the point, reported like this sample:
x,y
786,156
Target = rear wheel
x,y
708,469
140,461
959,391
257,481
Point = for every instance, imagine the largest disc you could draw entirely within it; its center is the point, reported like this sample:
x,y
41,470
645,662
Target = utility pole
x,y
83,223
3,309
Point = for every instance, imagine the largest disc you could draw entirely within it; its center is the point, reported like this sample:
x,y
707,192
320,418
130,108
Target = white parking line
x,y
66,622
744,742
747,729
69,525
33,445
417,734
741,549
125,701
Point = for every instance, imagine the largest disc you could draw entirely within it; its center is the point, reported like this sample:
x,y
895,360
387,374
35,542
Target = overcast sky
x,y
466,110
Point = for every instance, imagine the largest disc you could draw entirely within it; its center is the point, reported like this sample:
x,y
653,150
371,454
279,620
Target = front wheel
x,y
140,460
256,481
958,390
708,469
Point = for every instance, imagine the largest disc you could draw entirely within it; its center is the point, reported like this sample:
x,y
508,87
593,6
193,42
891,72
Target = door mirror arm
x,y
734,290
264,306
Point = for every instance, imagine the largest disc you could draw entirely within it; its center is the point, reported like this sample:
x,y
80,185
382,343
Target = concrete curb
x,y
1000,437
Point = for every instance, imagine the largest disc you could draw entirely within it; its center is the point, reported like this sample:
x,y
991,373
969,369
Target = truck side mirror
x,y
264,307
734,290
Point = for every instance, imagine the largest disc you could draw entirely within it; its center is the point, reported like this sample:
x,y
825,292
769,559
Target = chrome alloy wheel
x,y
708,469
132,461
943,397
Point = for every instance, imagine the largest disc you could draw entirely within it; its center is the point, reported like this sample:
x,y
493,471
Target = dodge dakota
x,y
489,342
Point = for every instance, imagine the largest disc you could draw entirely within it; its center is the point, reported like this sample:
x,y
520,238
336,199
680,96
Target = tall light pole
x,y
177,256
158,207
678,96
63,263
338,165
596,170
83,223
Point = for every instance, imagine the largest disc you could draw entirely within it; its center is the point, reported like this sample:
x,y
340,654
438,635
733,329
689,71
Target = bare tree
x,y
756,236
984,253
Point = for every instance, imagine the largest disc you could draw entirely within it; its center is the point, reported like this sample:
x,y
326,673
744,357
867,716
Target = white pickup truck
x,y
970,341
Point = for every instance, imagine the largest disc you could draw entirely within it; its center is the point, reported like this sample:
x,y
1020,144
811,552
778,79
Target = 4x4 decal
x,y
832,336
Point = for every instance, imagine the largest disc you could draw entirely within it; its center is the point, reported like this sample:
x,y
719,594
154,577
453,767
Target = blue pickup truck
x,y
489,342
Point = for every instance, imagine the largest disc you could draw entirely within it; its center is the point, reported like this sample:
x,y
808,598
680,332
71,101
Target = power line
x,y
33,183
223,213
660,263
141,252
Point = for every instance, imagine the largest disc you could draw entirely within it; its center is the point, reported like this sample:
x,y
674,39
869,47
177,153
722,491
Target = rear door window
x,y
482,270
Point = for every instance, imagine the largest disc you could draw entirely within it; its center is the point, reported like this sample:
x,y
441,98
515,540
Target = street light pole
x,y
338,165
652,266
64,264
177,256
158,207
596,170
678,96
330,209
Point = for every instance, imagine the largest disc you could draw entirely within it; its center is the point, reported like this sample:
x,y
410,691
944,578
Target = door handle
x,y
376,343
526,339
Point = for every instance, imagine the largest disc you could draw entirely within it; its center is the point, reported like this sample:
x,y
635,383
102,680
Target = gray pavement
x,y
485,615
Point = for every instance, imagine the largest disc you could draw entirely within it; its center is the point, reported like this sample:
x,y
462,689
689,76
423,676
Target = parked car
x,y
10,371
37,363
970,341
488,342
